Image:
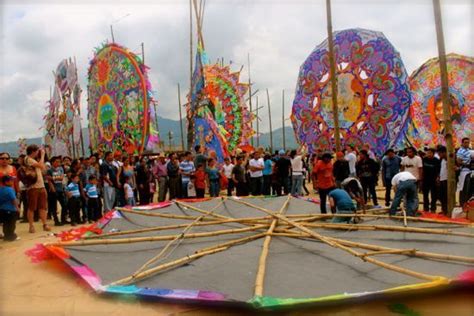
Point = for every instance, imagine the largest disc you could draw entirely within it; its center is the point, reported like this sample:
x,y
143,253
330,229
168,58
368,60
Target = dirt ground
x,y
49,288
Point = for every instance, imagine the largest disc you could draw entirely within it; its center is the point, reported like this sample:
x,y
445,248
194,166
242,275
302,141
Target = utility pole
x,y
250,99
180,118
112,33
448,131
270,121
332,63
143,53
283,117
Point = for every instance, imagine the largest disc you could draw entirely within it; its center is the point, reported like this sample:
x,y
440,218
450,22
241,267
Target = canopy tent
x,y
262,253
373,93
426,126
120,111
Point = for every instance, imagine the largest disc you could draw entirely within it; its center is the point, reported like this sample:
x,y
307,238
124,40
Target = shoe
x,y
46,228
13,239
58,224
377,206
387,204
73,224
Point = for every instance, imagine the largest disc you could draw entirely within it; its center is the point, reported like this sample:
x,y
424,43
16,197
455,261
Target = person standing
x,y
367,171
37,196
160,171
55,176
431,169
7,169
352,159
172,169
187,170
143,182
213,177
413,164
267,174
92,198
200,158
443,179
296,173
283,167
238,176
108,173
74,199
341,169
128,190
390,167
8,208
324,179
256,166
227,171
463,158
404,185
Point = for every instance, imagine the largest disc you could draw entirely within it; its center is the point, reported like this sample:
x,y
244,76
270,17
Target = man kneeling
x,y
341,203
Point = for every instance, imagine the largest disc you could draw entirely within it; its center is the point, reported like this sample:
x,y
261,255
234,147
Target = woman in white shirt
x,y
296,173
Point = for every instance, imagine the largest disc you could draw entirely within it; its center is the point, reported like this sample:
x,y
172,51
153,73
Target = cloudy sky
x,y
278,35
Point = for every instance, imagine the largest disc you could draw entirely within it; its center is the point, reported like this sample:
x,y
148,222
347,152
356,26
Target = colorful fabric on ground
x,y
217,107
373,93
120,103
426,126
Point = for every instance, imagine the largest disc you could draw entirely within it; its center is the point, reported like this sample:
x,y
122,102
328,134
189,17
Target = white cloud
x,y
278,34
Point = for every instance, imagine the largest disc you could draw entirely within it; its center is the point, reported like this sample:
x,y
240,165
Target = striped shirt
x,y
465,155
91,191
186,167
73,188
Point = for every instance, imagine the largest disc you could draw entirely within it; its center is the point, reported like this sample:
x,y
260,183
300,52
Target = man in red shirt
x,y
324,178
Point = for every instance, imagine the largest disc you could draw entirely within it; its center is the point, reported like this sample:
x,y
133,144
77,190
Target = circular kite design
x,y
427,121
373,94
120,115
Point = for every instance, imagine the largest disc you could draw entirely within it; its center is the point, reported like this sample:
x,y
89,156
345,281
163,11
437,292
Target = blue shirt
x,y
390,166
343,199
187,167
91,191
73,188
213,173
7,197
267,167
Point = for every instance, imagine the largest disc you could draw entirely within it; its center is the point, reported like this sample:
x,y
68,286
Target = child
x,y
213,176
92,197
200,181
74,199
8,208
129,195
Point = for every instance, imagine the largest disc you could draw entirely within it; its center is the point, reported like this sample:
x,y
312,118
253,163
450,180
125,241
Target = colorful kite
x,y
373,93
120,105
63,131
221,120
427,121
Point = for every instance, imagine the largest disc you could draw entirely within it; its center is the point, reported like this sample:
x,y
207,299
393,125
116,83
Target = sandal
x,y
46,228
32,229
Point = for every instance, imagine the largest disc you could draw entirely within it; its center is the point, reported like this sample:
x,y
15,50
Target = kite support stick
x,y
198,254
153,238
196,209
259,280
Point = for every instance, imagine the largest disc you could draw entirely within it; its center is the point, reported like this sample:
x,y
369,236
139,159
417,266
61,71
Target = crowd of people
x,y
85,188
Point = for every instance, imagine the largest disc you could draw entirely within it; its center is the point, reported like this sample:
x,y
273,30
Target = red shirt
x,y
200,179
324,175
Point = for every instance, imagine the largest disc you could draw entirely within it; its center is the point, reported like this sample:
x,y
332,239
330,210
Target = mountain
x,y
167,125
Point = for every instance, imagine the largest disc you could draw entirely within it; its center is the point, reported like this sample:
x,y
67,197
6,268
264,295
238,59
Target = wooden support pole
x,y
260,278
270,121
258,123
190,131
180,118
332,63
250,101
196,209
448,131
283,118
112,33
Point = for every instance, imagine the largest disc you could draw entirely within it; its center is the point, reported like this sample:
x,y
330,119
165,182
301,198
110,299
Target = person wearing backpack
x,y
32,176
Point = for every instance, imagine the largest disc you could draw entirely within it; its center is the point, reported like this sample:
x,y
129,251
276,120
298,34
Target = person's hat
x,y
339,154
281,152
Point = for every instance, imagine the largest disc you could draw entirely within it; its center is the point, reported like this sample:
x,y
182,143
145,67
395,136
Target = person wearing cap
x,y
8,208
324,179
341,169
283,166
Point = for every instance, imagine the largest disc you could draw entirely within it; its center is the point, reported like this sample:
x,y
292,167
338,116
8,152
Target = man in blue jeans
x,y
404,184
341,202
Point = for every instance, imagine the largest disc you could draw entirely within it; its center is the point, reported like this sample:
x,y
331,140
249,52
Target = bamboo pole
x,y
389,228
193,208
260,278
78,111
283,117
420,254
331,242
332,63
250,101
153,238
448,131
190,120
180,118
258,123
389,252
270,121
198,254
